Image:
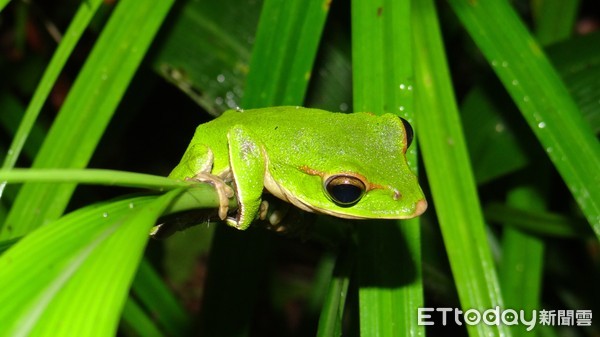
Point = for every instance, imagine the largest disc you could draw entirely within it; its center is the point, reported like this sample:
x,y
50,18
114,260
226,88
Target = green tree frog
x,y
345,165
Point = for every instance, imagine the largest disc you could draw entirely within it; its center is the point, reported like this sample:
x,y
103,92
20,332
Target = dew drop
x,y
238,109
504,64
131,205
494,63
410,87
221,78
105,215
219,100
499,127
344,107
541,125
515,82
402,86
525,98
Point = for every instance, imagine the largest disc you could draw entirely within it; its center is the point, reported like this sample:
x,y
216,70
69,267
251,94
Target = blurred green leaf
x,y
494,142
498,142
159,302
577,60
554,19
212,69
541,96
332,313
136,319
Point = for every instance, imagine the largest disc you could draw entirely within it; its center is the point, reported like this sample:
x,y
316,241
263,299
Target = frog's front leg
x,y
196,165
247,162
223,190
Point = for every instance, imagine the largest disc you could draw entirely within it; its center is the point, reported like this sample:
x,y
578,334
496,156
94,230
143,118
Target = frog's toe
x,y
224,191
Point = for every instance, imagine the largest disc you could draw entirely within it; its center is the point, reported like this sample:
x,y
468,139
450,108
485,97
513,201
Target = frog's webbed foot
x,y
224,191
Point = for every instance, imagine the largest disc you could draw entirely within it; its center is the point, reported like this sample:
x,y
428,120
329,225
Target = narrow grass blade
x,y
287,56
90,176
281,60
389,253
71,37
537,222
522,260
87,110
90,255
159,302
3,4
544,101
554,19
332,314
449,172
137,320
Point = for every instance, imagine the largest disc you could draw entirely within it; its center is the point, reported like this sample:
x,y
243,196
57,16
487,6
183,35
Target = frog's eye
x,y
409,132
345,190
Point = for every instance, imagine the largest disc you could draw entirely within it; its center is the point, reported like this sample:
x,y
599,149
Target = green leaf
x,y
292,50
206,51
159,301
449,172
287,55
554,19
91,255
332,313
389,252
65,48
87,110
541,96
90,176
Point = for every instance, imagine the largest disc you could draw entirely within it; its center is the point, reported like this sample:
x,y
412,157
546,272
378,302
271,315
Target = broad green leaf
x,y
90,255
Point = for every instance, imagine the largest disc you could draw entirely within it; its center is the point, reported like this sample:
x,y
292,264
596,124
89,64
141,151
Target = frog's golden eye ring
x,y
345,190
409,132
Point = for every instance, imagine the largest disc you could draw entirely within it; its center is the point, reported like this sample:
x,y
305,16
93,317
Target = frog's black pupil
x,y
409,132
345,194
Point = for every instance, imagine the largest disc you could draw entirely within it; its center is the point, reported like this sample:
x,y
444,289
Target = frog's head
x,y
355,170
351,195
